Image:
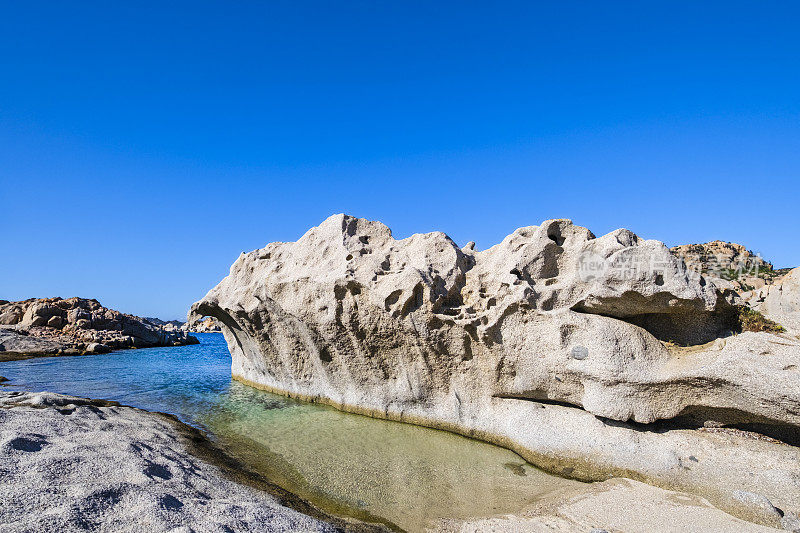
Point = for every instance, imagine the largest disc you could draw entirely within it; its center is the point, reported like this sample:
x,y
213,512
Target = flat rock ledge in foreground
x,y
72,464
591,357
612,506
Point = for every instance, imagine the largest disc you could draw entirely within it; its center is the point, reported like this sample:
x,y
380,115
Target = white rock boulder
x,y
480,342
781,300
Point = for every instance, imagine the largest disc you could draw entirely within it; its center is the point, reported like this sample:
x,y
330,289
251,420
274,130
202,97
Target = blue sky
x,y
144,146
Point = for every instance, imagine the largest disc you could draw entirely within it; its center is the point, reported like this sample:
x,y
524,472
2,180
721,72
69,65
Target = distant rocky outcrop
x,y
56,326
551,343
731,265
721,257
168,325
205,325
773,292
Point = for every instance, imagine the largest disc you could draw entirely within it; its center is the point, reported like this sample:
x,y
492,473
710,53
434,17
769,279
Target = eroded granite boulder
x,y
480,342
351,315
780,301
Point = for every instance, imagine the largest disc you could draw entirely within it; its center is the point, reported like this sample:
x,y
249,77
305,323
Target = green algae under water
x,y
343,463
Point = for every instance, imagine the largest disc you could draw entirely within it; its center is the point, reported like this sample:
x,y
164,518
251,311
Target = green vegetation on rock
x,y
752,320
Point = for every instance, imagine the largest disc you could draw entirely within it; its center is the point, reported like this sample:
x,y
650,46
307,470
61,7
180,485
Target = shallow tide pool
x,y
344,463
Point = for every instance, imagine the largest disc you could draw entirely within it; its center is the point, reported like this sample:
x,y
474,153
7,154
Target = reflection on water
x,y
347,463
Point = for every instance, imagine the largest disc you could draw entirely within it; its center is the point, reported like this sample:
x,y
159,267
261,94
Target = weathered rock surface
x,y
55,326
729,265
615,505
72,464
780,301
721,259
423,331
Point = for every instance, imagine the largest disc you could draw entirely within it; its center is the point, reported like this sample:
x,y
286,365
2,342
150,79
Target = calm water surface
x,y
344,463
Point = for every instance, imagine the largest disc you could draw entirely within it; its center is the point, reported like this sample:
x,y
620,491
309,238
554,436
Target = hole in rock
x,y
27,445
170,502
156,470
736,422
696,417
685,324
467,349
392,299
554,234
325,354
415,301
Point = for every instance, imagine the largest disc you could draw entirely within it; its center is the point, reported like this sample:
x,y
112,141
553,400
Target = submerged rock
x,y
479,342
55,326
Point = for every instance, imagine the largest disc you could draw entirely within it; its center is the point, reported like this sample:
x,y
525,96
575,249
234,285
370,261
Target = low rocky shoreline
x,y
74,464
76,326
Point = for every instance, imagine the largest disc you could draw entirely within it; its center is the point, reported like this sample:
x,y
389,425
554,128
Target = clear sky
x,y
143,146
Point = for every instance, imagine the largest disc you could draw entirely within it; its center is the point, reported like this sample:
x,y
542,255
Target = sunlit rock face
x,y
548,343
73,326
352,316
780,300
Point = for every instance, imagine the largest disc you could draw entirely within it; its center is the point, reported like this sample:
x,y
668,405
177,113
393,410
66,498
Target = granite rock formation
x,y
780,301
167,325
551,343
728,264
56,326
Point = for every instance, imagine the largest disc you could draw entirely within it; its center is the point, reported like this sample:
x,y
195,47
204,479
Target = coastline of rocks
x,y
141,471
205,325
591,357
76,326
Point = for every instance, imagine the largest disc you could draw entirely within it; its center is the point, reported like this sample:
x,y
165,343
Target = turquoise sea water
x,y
344,463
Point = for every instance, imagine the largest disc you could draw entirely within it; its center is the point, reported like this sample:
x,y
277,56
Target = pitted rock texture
x,y
350,314
781,300
55,326
721,257
479,342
